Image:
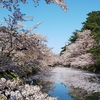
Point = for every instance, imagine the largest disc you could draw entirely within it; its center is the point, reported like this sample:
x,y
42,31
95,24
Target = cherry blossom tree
x,y
22,50
76,53
27,53
8,3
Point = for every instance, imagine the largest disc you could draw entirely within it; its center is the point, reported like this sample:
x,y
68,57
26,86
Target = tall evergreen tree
x,y
93,23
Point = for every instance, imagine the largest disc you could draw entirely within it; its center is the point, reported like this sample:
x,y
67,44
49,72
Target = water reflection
x,y
54,89
80,94
64,93
60,91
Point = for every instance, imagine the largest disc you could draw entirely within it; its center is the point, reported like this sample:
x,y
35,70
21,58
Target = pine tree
x,y
93,23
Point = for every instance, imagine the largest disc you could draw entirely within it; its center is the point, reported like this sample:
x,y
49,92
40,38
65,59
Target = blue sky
x,y
58,25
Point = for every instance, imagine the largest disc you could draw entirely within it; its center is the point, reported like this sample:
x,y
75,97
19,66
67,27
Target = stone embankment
x,y
16,90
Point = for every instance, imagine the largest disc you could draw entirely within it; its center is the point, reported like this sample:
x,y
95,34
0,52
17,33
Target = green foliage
x,y
91,68
8,74
93,96
73,38
93,23
94,50
96,36
35,70
96,54
2,97
1,74
63,50
26,71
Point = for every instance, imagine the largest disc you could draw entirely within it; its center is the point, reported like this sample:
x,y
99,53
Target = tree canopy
x,y
93,23
22,50
8,3
72,39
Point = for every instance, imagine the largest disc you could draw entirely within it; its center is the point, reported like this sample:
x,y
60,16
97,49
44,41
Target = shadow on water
x,y
63,92
80,94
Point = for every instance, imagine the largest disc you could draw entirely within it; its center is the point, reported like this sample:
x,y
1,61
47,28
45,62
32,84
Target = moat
x,y
69,84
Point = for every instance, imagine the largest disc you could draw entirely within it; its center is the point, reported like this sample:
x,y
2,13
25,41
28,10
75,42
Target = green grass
x,y
8,74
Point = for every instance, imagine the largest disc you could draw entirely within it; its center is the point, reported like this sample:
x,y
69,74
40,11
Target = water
x,y
69,84
58,90
61,91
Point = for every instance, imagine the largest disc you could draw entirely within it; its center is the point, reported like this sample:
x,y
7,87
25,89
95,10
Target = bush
x,y
8,74
91,68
